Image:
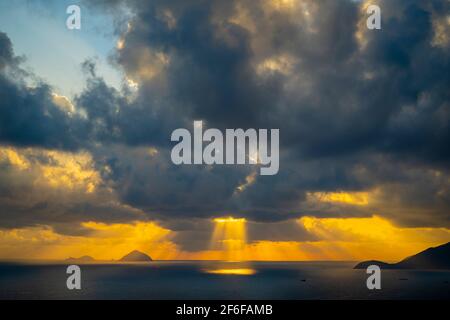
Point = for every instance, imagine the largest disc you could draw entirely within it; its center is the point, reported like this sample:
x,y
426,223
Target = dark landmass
x,y
381,264
81,259
133,256
136,256
431,258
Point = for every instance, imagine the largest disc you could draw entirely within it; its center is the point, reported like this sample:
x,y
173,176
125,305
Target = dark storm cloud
x,y
6,51
340,106
28,114
371,99
30,117
166,191
34,120
64,216
357,110
209,75
113,118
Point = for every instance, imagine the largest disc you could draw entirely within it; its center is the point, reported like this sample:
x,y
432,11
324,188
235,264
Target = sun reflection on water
x,y
231,271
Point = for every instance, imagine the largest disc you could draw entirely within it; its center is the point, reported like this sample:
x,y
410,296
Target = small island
x,y
83,259
437,258
136,256
133,256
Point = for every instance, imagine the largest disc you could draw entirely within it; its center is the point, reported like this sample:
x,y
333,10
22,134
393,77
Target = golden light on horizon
x,y
102,242
350,239
352,198
229,220
230,236
367,238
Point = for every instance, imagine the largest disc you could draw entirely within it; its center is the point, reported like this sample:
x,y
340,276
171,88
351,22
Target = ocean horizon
x,y
210,280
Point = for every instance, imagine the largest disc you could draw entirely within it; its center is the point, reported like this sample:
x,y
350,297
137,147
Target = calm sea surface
x,y
218,280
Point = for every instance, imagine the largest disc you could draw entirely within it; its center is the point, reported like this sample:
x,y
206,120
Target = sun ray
x,y
230,236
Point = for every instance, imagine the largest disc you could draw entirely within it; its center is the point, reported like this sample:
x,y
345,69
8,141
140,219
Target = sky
x,y
86,117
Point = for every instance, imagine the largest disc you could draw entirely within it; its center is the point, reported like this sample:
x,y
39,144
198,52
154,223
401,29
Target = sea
x,y
217,280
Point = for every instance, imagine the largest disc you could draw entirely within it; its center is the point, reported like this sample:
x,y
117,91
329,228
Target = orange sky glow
x,y
338,239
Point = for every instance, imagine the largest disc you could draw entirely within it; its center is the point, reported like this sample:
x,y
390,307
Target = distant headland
x,y
431,258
